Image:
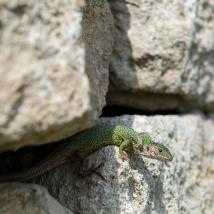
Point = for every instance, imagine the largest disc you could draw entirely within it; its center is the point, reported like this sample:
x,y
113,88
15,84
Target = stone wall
x,y
62,62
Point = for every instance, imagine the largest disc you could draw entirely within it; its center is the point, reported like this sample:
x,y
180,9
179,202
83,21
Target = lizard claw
x,y
124,156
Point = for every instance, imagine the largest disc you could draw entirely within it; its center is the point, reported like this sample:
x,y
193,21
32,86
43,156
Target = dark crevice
x,y
25,157
112,111
1,25
19,10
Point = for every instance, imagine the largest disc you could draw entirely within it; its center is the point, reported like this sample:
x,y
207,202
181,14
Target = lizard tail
x,y
37,170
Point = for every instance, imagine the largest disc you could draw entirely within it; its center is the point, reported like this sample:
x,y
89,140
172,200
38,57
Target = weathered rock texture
x,y
48,57
54,58
98,36
144,185
28,199
164,54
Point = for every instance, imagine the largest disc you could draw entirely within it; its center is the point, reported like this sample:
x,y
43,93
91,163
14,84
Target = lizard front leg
x,y
125,147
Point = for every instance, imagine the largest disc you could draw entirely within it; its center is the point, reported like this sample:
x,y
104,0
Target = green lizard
x,y
91,140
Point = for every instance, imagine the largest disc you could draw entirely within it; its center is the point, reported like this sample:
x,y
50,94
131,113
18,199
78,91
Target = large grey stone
x,y
54,57
19,198
143,185
164,54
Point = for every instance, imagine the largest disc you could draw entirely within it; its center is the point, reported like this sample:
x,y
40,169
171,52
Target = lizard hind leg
x,y
91,166
92,171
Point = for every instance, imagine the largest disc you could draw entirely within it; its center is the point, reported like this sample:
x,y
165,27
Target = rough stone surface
x,y
28,199
143,185
98,36
50,51
163,54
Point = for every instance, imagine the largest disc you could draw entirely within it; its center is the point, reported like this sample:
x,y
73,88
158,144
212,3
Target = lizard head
x,y
153,150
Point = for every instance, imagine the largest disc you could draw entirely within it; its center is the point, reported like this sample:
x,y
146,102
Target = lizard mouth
x,y
169,158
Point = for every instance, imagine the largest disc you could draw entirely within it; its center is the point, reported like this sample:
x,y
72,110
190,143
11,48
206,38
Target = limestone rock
x,y
28,199
54,56
163,55
143,185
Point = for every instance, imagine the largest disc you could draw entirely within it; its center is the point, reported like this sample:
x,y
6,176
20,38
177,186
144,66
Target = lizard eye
x,y
160,150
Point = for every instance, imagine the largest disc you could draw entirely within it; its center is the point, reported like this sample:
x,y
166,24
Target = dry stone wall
x,y
62,61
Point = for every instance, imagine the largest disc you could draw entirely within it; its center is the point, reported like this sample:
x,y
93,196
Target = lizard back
x,y
84,142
